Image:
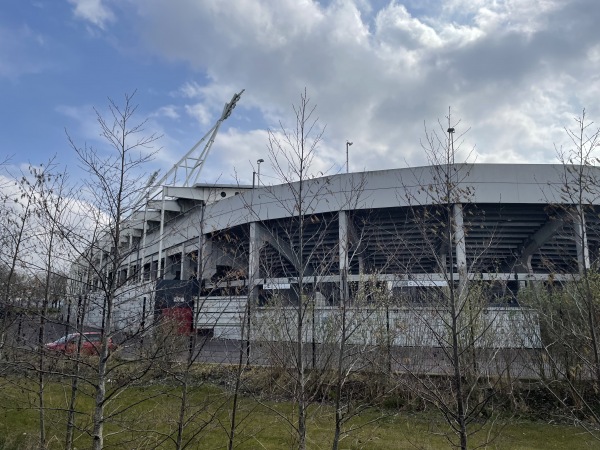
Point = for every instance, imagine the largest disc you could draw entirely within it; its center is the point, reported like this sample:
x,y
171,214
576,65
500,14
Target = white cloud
x,y
93,11
169,111
397,28
199,112
192,90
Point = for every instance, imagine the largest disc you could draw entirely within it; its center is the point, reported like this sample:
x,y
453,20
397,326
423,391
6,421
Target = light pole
x,y
451,139
348,144
258,171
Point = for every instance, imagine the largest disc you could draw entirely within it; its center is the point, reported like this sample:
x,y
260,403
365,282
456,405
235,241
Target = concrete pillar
x,y
101,272
182,274
253,261
581,243
461,249
130,244
443,262
160,236
201,263
343,246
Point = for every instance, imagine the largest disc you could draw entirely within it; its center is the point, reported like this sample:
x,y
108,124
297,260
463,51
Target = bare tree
x,y
16,241
292,245
52,199
112,189
446,321
196,416
568,304
292,153
303,311
33,274
579,192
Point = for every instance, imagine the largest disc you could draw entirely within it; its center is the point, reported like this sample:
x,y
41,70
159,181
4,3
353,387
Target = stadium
x,y
219,256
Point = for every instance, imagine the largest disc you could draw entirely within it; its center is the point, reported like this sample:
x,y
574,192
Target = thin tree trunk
x,y
301,380
182,407
72,403
80,316
460,406
41,341
238,377
340,370
301,366
42,329
98,417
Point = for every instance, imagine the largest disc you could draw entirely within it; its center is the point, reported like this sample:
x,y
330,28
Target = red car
x,y
90,343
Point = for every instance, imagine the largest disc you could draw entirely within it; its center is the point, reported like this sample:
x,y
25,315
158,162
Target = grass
x,y
146,417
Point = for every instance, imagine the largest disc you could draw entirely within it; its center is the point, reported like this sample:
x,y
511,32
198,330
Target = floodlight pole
x,y
258,171
451,138
348,144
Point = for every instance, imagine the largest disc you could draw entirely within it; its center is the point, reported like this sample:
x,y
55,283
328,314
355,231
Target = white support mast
x,y
192,162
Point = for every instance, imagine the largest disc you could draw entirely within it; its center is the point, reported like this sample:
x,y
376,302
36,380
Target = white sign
x,y
276,286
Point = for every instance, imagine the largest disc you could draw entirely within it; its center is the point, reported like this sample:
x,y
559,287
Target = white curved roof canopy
x,y
476,183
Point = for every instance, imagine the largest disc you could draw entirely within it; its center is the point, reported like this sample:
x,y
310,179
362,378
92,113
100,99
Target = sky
x,y
513,73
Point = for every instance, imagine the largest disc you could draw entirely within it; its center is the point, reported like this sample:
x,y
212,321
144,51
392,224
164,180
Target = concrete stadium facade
x,y
223,248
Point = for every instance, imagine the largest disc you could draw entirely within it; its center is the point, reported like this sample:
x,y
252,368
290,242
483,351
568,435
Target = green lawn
x,y
150,421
